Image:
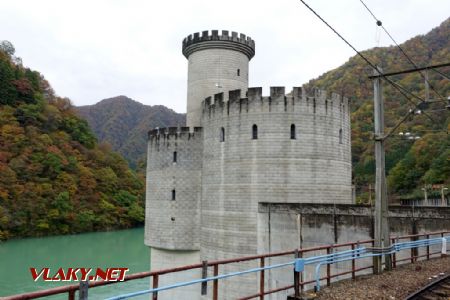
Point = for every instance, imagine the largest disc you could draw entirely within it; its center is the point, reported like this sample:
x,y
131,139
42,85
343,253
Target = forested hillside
x,y
124,123
54,177
411,163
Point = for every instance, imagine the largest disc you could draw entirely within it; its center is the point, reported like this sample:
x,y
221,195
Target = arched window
x,y
254,132
173,195
175,156
293,133
222,134
238,72
340,136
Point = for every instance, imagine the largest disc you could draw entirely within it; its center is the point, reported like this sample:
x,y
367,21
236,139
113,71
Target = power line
x,y
395,85
442,74
430,67
379,23
342,38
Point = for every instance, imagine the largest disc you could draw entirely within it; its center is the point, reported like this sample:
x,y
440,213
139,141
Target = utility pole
x,y
381,232
444,201
424,189
427,87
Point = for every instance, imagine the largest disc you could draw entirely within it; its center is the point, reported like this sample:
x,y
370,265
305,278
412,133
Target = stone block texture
x,y
173,189
250,149
216,63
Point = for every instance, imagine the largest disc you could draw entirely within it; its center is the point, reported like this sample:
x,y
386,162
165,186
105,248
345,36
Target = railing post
x,y
204,288
444,246
155,285
374,260
353,263
394,255
428,248
296,278
261,279
412,251
71,295
302,286
329,267
216,282
83,290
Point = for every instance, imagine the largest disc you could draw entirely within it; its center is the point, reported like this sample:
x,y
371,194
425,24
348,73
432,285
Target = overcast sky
x,y
91,50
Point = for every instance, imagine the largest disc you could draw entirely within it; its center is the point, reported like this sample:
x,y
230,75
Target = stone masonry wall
x,y
209,68
173,224
240,172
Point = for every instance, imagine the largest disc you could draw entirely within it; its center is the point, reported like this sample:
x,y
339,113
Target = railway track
x,y
436,290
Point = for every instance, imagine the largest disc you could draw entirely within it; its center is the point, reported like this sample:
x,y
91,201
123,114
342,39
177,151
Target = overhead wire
x,y
442,74
395,85
380,24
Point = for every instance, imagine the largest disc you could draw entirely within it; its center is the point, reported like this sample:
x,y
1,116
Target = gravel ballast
x,y
396,284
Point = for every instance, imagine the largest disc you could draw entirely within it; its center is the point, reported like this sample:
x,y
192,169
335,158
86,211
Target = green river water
x,y
123,248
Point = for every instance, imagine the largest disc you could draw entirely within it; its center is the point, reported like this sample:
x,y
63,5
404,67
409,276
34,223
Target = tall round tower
x,y
217,63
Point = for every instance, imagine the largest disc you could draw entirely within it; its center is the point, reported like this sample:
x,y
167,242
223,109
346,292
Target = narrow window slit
x,y
293,133
222,134
254,132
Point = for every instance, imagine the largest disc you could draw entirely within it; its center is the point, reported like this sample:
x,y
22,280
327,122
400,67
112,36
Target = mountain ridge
x,y
409,166
123,123
404,159
54,176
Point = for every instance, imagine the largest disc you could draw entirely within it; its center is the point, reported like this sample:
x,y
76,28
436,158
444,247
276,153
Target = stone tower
x,y
217,63
206,181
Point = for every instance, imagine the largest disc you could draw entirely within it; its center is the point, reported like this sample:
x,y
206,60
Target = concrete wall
x,y
173,224
167,259
287,226
209,68
240,171
217,63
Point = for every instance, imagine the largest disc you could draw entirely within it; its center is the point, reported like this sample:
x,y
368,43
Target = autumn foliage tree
x,y
54,177
410,164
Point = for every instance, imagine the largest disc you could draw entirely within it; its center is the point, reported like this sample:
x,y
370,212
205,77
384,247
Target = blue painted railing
x,y
366,253
300,263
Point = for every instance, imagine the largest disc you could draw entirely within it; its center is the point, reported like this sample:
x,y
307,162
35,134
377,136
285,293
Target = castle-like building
x,y
240,148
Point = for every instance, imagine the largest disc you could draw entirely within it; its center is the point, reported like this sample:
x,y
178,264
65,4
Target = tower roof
x,y
205,40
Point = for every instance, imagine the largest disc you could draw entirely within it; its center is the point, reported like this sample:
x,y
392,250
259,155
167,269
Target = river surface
x,y
123,248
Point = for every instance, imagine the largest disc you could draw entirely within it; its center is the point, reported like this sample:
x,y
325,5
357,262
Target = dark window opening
x,y
293,135
340,136
238,72
173,219
222,134
254,132
175,156
173,195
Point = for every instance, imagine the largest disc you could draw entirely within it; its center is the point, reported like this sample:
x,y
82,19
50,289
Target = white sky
x,y
91,50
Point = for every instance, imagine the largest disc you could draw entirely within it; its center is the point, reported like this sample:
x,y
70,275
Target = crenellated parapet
x,y
174,162
173,133
315,103
226,40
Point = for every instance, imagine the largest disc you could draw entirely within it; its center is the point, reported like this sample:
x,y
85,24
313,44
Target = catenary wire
x,y
442,74
396,86
379,23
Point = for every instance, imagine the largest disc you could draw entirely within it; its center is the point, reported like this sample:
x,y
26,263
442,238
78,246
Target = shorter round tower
x,y
217,63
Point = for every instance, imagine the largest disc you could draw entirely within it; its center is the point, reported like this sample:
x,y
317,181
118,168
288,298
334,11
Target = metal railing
x,y
299,283
299,264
